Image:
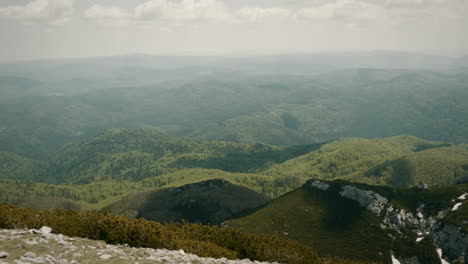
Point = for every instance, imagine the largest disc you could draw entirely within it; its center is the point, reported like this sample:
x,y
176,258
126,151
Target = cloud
x,y
182,10
100,12
354,13
54,11
259,14
343,10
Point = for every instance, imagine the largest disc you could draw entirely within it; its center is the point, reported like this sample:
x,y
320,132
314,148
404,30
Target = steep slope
x,y
207,202
365,222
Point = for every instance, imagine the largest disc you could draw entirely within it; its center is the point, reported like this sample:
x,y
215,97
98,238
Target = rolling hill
x,y
207,202
103,169
357,159
136,154
231,105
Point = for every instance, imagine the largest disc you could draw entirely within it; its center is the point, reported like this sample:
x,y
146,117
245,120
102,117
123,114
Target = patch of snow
x,y
395,261
4,254
439,252
462,197
419,239
455,207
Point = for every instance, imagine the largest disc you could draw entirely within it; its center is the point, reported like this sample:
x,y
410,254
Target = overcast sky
x,y
32,29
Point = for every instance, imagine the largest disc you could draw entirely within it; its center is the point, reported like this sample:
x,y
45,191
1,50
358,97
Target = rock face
x,y
367,199
399,219
452,241
37,246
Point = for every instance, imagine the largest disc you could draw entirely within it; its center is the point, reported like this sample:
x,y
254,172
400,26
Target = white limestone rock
x,y
367,199
320,185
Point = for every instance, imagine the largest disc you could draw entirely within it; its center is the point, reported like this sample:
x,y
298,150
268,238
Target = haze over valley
x,y
208,131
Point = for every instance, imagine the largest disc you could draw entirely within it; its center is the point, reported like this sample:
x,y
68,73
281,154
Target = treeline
x,y
206,241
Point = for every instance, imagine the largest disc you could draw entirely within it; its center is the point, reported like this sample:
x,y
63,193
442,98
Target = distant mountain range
x,y
46,105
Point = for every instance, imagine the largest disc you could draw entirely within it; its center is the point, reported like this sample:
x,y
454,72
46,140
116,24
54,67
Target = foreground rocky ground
x,y
41,246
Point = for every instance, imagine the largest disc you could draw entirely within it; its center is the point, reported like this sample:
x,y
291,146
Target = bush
x,y
205,241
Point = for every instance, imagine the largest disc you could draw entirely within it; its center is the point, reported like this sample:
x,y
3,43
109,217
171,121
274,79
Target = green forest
x,y
217,155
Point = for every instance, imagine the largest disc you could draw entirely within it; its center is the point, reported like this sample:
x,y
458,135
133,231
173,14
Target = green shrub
x,y
206,241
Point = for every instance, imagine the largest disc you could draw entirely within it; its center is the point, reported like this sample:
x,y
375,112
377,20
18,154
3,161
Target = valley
x,y
320,159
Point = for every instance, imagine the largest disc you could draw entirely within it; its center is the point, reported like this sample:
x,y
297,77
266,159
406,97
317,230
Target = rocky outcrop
x,y
451,240
367,199
320,185
41,246
399,219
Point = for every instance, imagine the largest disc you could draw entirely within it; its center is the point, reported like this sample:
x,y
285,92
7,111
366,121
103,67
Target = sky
x,y
37,29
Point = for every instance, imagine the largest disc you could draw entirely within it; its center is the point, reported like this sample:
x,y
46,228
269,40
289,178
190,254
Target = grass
x,y
207,202
333,226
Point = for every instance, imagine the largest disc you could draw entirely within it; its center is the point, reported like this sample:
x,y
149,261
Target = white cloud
x,y
258,14
182,10
349,13
345,10
54,11
102,12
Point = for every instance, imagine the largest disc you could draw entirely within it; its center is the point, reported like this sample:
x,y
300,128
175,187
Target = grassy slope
x,y
337,226
207,202
438,166
332,225
349,158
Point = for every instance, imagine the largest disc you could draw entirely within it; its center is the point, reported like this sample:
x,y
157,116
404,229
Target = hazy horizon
x,y
54,29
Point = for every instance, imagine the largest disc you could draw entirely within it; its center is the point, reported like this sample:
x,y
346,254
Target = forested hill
x,y
136,154
120,161
40,114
